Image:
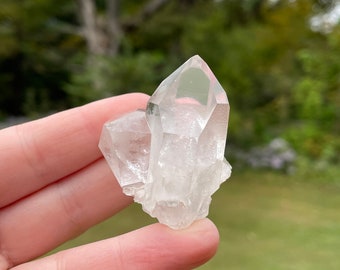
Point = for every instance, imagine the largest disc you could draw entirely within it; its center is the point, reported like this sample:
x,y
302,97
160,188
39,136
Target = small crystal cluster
x,y
171,157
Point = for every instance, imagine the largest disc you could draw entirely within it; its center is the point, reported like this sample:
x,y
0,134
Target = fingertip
x,y
208,230
186,248
204,225
152,247
204,241
138,97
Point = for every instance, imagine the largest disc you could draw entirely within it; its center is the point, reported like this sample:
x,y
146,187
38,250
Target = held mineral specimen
x,y
171,157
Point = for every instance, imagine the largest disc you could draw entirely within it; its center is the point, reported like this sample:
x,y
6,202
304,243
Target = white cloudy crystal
x,y
171,157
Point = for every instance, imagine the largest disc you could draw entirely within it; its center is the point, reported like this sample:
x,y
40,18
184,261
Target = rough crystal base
x,y
171,157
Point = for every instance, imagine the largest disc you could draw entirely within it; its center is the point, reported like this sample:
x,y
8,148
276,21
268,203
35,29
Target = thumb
x,y
152,247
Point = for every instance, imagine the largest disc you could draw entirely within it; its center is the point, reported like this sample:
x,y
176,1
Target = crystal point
x,y
171,157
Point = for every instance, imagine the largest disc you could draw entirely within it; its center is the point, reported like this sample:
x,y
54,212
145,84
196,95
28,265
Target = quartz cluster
x,y
170,158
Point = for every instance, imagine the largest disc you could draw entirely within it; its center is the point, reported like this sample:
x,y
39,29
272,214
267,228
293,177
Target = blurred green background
x,y
279,61
266,221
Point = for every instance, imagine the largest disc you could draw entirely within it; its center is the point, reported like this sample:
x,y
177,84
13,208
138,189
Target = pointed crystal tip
x,y
171,158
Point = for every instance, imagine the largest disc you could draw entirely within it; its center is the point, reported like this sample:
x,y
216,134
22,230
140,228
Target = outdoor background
x,y
279,61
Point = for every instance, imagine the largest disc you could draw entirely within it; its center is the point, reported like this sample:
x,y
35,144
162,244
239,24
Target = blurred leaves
x,y
281,77
106,76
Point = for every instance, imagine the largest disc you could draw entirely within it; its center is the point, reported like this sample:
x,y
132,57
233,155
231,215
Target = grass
x,y
266,221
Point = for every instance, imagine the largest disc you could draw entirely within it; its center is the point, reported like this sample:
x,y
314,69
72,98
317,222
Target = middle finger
x,y
61,211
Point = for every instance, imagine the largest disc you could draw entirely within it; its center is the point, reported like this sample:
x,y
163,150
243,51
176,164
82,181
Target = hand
x,y
54,185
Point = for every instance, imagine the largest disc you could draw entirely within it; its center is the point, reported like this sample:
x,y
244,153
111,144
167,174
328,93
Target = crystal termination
x,y
170,158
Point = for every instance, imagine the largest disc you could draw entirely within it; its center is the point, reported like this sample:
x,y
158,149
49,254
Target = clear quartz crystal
x,y
171,157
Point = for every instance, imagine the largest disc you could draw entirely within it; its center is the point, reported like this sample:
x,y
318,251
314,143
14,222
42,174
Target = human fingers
x,y
59,212
37,153
152,247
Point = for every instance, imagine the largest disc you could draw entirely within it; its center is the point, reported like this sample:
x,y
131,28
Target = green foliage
x,y
281,77
265,220
307,96
314,129
31,56
107,76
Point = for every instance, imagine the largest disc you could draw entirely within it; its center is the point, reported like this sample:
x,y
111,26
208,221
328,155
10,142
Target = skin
x,y
55,184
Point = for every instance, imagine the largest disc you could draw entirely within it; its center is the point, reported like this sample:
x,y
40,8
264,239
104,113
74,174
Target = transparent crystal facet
x,y
171,157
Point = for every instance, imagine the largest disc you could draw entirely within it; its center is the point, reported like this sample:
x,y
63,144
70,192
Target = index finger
x,y
35,154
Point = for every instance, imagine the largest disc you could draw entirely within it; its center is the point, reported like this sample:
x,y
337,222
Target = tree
x,y
281,77
30,58
104,29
